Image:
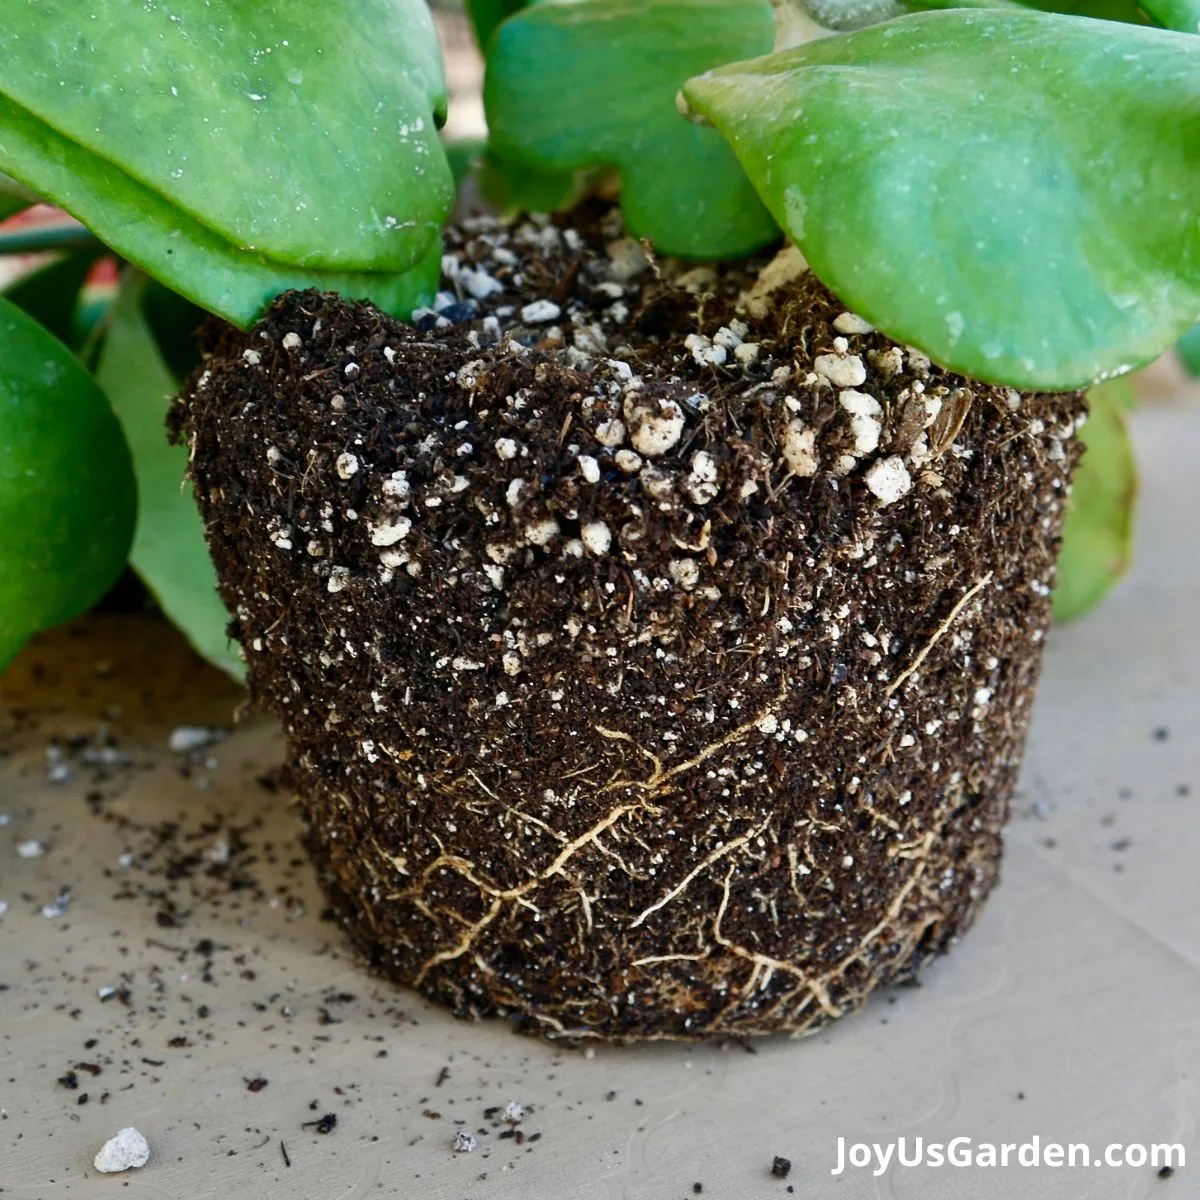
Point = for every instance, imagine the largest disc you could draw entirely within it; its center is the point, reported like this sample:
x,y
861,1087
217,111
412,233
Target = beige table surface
x,y
1072,1010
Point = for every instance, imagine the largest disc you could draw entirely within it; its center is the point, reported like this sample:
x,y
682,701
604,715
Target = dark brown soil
x,y
626,693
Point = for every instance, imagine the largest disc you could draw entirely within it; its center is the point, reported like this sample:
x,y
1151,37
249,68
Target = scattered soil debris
x,y
325,1124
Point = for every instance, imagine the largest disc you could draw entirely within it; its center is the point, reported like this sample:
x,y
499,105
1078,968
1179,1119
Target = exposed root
x,y
939,633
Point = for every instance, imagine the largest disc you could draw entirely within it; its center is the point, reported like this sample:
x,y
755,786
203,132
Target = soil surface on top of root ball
x,y
655,643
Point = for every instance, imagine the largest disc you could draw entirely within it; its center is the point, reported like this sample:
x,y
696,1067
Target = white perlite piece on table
x,y
129,1149
464,1142
192,737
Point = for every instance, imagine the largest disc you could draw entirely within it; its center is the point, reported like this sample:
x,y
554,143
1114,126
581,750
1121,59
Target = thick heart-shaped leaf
x,y
585,83
305,135
1098,537
67,494
947,175
169,551
185,254
241,149
1189,350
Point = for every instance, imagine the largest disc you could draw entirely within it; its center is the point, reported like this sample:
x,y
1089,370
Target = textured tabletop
x,y
164,963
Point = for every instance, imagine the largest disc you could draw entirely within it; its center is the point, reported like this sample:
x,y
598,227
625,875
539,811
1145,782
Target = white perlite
x,y
703,351
850,322
390,531
540,311
685,572
506,448
864,413
129,1149
291,341
468,375
346,465
841,369
800,450
541,533
479,283
655,425
889,479
192,737
589,468
611,433
702,482
596,537
464,1142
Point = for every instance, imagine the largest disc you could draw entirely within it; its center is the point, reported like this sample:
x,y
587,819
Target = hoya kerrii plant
x,y
652,595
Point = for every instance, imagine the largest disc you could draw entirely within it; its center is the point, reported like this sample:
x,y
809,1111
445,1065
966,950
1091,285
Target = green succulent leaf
x,y
856,14
947,176
1098,537
169,550
592,83
511,189
235,151
487,15
464,157
50,294
67,494
1189,350
1180,15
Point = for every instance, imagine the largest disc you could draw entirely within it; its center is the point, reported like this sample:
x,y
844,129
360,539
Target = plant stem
x,y
38,238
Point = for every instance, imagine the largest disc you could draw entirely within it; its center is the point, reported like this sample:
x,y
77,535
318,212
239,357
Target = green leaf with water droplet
x,y
573,84
238,150
1098,536
946,175
67,493
169,551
